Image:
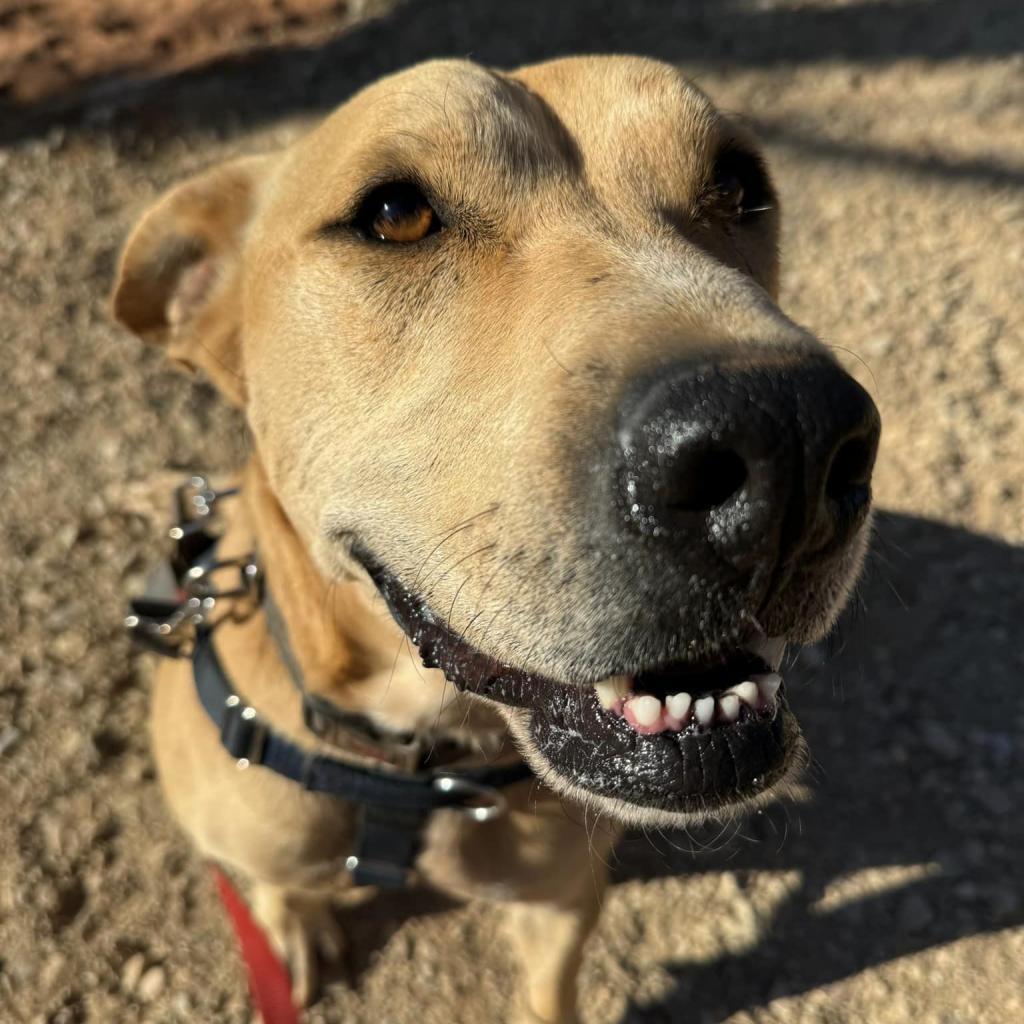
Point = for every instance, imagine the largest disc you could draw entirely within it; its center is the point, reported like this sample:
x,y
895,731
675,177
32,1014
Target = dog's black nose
x,y
757,464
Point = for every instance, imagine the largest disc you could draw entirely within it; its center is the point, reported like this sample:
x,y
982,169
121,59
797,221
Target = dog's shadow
x,y
908,839
372,924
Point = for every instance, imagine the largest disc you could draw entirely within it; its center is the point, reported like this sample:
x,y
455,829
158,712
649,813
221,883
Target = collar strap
x,y
175,618
393,807
347,729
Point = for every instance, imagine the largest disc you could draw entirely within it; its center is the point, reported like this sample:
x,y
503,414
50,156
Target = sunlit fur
x,y
443,403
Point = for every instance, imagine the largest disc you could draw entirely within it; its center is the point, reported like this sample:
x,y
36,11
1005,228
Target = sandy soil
x,y
894,892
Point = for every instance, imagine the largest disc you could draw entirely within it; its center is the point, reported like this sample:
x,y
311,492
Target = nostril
x,y
704,479
850,472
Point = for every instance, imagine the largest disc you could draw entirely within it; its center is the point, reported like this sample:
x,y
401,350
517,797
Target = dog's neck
x,y
348,648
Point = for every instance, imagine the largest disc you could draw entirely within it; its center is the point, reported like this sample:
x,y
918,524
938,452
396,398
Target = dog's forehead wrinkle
x,y
464,117
641,140
521,134
639,124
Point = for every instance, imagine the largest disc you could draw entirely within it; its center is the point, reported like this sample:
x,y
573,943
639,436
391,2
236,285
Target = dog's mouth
x,y
662,744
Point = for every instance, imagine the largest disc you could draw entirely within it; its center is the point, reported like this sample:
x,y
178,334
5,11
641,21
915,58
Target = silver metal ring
x,y
495,804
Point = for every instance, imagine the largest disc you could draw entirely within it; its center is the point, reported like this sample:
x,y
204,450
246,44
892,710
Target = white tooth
x,y
678,705
768,684
612,689
747,692
705,710
646,710
730,706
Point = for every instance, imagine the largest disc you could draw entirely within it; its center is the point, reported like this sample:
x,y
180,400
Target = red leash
x,y
269,980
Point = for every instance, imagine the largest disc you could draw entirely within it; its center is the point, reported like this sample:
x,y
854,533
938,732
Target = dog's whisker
x,y
414,658
457,529
558,361
466,578
858,357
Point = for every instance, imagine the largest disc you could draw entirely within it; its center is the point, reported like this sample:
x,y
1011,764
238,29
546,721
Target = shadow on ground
x,y
916,773
270,84
913,733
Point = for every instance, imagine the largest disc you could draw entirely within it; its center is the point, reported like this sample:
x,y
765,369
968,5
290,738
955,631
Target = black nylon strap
x,y
394,807
242,736
319,715
389,840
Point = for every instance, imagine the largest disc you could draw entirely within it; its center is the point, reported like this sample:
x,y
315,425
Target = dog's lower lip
x,y
718,756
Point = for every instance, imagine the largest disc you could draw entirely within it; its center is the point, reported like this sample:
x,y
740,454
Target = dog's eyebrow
x,y
494,123
518,133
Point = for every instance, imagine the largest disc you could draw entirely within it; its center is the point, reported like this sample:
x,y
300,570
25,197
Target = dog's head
x,y
509,348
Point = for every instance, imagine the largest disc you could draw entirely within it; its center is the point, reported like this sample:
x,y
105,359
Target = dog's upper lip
x,y
686,765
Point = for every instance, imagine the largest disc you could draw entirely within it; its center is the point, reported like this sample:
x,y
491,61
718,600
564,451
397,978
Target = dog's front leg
x,y
302,927
549,938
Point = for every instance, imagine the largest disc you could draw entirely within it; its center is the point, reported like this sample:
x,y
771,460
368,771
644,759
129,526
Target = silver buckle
x,y
182,597
458,785
242,734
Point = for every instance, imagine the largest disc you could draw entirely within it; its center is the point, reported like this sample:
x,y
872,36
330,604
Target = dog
x,y
540,470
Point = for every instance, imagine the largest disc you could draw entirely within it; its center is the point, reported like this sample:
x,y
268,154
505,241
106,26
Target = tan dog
x,y
508,347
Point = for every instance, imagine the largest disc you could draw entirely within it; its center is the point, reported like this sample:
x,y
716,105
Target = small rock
x,y
967,890
897,754
952,862
55,138
995,800
151,984
915,913
51,829
50,971
70,646
976,853
8,738
132,971
1005,903
998,745
939,740
879,345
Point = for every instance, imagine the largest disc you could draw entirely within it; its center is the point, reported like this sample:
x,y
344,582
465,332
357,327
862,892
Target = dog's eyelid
x,y
353,220
740,176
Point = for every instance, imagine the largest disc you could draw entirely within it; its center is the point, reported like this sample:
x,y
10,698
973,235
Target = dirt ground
x,y
893,892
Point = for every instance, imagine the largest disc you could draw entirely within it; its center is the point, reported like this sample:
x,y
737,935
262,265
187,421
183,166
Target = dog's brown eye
x,y
730,194
397,213
741,187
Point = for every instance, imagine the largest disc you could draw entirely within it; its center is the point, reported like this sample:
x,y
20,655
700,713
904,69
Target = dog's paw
x,y
303,929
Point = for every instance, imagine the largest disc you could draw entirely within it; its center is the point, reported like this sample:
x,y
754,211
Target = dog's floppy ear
x,y
179,280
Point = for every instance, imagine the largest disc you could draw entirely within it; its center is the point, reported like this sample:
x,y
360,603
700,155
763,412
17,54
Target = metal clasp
x,y
366,871
197,498
242,734
181,596
458,785
196,580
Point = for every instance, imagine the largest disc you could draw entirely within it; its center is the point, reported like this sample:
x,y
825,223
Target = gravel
x,y
890,890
